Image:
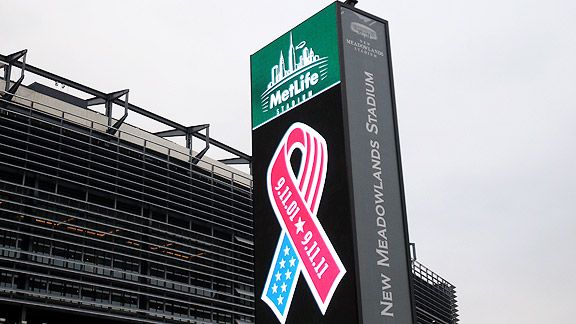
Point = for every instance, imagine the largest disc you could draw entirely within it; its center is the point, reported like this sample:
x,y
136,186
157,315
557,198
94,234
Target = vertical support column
x,y
108,106
108,102
189,144
24,315
10,60
7,73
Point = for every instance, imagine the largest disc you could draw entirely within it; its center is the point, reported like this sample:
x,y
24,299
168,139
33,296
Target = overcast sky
x,y
487,114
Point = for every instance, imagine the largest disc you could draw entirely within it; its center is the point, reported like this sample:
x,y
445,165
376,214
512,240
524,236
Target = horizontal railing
x,y
241,178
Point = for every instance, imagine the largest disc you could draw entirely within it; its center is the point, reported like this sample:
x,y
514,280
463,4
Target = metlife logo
x,y
295,67
292,80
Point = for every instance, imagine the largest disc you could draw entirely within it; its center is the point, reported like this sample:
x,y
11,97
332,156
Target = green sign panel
x,y
295,67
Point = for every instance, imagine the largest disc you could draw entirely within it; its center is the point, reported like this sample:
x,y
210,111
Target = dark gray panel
x,y
383,270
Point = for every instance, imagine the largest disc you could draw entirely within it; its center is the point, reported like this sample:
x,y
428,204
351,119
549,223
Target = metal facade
x,y
93,224
434,297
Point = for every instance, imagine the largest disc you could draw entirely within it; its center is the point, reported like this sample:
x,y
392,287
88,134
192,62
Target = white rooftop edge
x,y
127,132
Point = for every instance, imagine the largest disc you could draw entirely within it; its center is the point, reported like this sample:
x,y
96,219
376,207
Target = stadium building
x,y
100,219
104,222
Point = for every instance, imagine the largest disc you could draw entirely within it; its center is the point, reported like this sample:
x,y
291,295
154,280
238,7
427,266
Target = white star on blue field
x,y
284,275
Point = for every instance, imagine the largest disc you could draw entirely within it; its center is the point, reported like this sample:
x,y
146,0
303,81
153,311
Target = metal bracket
x,y
108,101
238,160
413,251
351,3
9,89
189,133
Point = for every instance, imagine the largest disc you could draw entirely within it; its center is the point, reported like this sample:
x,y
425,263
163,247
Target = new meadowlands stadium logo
x,y
293,80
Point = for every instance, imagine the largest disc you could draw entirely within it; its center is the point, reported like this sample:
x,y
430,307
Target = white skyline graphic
x,y
294,63
298,60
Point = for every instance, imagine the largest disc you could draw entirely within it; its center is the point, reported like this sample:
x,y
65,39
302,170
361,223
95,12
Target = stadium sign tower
x,y
331,239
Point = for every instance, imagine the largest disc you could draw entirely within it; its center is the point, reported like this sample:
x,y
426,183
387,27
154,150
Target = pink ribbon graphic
x,y
295,199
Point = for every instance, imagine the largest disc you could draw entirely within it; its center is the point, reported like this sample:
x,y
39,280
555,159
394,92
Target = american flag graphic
x,y
282,278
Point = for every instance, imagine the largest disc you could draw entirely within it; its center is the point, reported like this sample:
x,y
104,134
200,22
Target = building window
x,y
6,280
72,290
8,243
88,293
38,285
156,306
57,289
